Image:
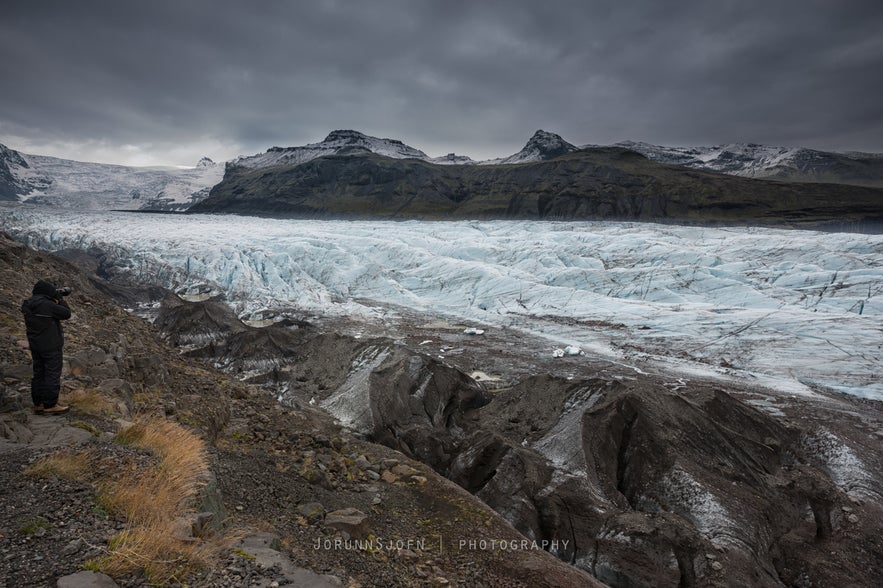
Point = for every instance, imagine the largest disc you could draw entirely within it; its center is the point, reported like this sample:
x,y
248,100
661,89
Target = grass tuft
x,y
35,526
63,465
155,550
91,402
154,501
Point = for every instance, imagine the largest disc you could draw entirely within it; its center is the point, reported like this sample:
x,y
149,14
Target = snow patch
x,y
847,470
691,499
351,402
563,444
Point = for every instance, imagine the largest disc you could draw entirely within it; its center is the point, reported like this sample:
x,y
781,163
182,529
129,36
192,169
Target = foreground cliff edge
x,y
641,481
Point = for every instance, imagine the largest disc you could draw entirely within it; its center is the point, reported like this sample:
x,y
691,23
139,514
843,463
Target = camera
x,y
64,291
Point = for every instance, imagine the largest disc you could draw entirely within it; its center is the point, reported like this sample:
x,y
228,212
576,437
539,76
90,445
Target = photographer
x,y
44,311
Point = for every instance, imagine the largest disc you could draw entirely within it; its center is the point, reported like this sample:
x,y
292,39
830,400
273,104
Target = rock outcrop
x,y
10,186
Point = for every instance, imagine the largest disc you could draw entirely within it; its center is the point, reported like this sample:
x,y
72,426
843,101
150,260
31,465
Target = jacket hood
x,y
45,288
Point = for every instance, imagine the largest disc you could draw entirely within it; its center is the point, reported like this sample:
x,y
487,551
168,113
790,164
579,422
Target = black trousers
x,y
46,383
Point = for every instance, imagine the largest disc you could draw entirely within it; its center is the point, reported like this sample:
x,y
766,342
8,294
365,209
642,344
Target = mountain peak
x,y
549,143
542,146
346,136
206,162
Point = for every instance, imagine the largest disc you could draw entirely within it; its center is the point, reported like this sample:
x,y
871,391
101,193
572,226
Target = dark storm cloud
x,y
170,81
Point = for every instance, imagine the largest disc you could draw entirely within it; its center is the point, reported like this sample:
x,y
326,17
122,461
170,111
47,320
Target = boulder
x,y
21,372
94,364
350,521
266,548
86,579
147,369
10,400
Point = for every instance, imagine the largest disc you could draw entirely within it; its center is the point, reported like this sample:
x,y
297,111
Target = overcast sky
x,y
166,82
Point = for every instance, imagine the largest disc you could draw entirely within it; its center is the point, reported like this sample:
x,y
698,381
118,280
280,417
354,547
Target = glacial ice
x,y
786,309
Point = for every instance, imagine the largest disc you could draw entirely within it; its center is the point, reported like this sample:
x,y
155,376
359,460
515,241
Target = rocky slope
x,y
653,481
640,478
290,486
601,183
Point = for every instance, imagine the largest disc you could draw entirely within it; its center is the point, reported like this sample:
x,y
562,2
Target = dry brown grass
x,y
154,502
90,402
156,551
63,464
168,488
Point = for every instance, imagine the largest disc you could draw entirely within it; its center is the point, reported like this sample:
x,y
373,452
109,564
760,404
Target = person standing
x,y
43,312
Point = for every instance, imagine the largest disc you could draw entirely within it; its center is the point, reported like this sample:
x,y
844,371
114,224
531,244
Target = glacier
x,y
787,310
51,181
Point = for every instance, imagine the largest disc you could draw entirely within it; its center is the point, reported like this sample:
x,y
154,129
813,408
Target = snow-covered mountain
x,y
746,160
760,161
38,179
334,143
541,146
48,180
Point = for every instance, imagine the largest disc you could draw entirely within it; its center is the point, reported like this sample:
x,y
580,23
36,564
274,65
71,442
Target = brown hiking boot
x,y
38,409
57,409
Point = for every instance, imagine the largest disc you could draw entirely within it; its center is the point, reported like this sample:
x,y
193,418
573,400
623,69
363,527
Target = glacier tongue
x,y
786,309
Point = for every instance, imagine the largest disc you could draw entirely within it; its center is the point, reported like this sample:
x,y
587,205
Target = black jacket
x,y
43,316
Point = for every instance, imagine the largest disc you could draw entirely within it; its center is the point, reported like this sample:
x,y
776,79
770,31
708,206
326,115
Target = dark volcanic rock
x,y
622,477
211,330
197,323
405,400
637,484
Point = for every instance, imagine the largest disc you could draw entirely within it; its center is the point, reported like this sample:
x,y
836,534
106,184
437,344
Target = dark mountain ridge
x,y
585,184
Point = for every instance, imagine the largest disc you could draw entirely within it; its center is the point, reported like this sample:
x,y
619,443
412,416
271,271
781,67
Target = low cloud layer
x,y
168,82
